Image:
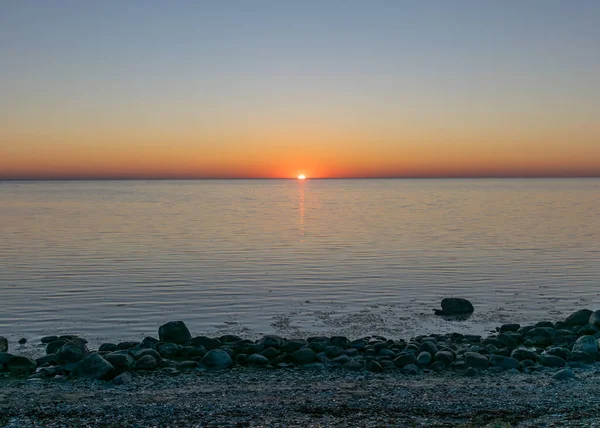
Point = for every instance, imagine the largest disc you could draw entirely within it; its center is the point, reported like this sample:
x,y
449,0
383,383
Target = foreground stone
x,y
174,332
94,367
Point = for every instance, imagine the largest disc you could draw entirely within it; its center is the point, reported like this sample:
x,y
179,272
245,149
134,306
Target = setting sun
x,y
301,177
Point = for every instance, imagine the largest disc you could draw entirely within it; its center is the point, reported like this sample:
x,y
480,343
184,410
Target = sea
x,y
113,260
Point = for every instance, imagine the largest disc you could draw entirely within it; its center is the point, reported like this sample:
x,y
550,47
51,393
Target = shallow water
x,y
115,259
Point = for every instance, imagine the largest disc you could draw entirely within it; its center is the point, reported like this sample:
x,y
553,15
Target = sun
x,y
302,177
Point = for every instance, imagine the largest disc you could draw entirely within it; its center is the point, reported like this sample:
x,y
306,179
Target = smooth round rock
x,y
71,352
304,356
93,366
20,364
564,374
580,317
257,360
476,361
456,306
217,359
587,344
174,332
147,362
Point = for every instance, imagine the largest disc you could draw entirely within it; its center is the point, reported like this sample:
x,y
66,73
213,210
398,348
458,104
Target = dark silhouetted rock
x,y
168,350
445,357
564,374
174,332
187,365
304,356
126,345
48,339
551,361
586,344
22,341
270,341
71,352
20,364
595,318
3,344
93,366
139,353
504,362
580,317
404,359
424,358
108,347
476,360
373,366
455,306
341,341
147,362
218,359
123,379
206,342
121,362
257,360
509,328
293,345
54,346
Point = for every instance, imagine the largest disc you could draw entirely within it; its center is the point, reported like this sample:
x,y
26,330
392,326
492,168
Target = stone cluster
x,y
564,345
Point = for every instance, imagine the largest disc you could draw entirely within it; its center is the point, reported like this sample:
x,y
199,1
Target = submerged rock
x,y
174,332
455,306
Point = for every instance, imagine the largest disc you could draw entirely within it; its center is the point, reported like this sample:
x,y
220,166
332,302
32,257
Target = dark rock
x,y
523,354
206,342
410,369
20,364
71,352
123,379
270,341
455,306
438,366
121,362
373,366
304,356
353,366
108,347
580,317
93,366
564,374
387,353
342,359
595,318
174,332
551,361
340,341
218,359
333,351
251,348
424,358
507,340
545,324
126,345
168,350
46,359
139,353
54,346
22,341
429,347
587,344
270,353
475,360
351,352
404,358
293,345
588,329
506,328
504,362
229,338
192,351
148,343
584,357
147,362
547,332
187,365
257,360
557,351
358,344
318,346
445,357
48,339
3,344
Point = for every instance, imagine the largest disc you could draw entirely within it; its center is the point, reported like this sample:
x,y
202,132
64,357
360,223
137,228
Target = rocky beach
x,y
530,375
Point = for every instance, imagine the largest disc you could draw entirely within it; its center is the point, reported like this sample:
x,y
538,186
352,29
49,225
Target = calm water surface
x,y
113,260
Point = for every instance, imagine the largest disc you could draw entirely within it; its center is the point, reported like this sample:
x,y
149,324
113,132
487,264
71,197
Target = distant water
x,y
114,260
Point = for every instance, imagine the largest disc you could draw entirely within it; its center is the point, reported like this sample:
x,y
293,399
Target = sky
x,y
209,89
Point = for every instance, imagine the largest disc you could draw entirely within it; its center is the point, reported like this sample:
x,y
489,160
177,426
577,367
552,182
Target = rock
x,y
304,356
455,306
509,328
206,342
147,362
257,360
20,364
218,359
292,346
341,341
123,379
438,366
270,353
126,345
507,341
429,347
71,352
475,360
387,353
551,361
48,339
121,362
342,359
587,344
564,374
353,366
187,365
373,366
174,332
333,351
504,362
93,366
404,359
580,317
584,357
445,357
168,350
270,341
424,358
108,347
46,359
594,318
139,353
557,351
22,341
3,344
52,347
410,369
230,338
523,354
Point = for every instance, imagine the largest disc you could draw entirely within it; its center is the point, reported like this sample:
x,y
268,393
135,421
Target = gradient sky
x,y
279,88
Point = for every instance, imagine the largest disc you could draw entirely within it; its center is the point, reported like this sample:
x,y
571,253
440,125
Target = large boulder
x,y
271,341
94,366
71,352
476,360
217,359
595,318
304,356
174,332
147,362
3,344
19,364
580,317
586,344
455,306
121,362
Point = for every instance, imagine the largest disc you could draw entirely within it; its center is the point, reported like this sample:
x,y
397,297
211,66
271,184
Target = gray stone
x,y
147,362
93,366
304,356
174,332
455,306
424,358
71,352
217,359
595,318
580,317
410,369
340,341
127,345
551,361
20,364
523,354
445,357
187,365
108,347
384,352
353,366
270,341
257,360
404,359
564,374
206,342
506,328
333,351
429,347
504,362
168,350
476,360
342,359
270,353
292,346
587,344
123,379
54,346
121,362
557,351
